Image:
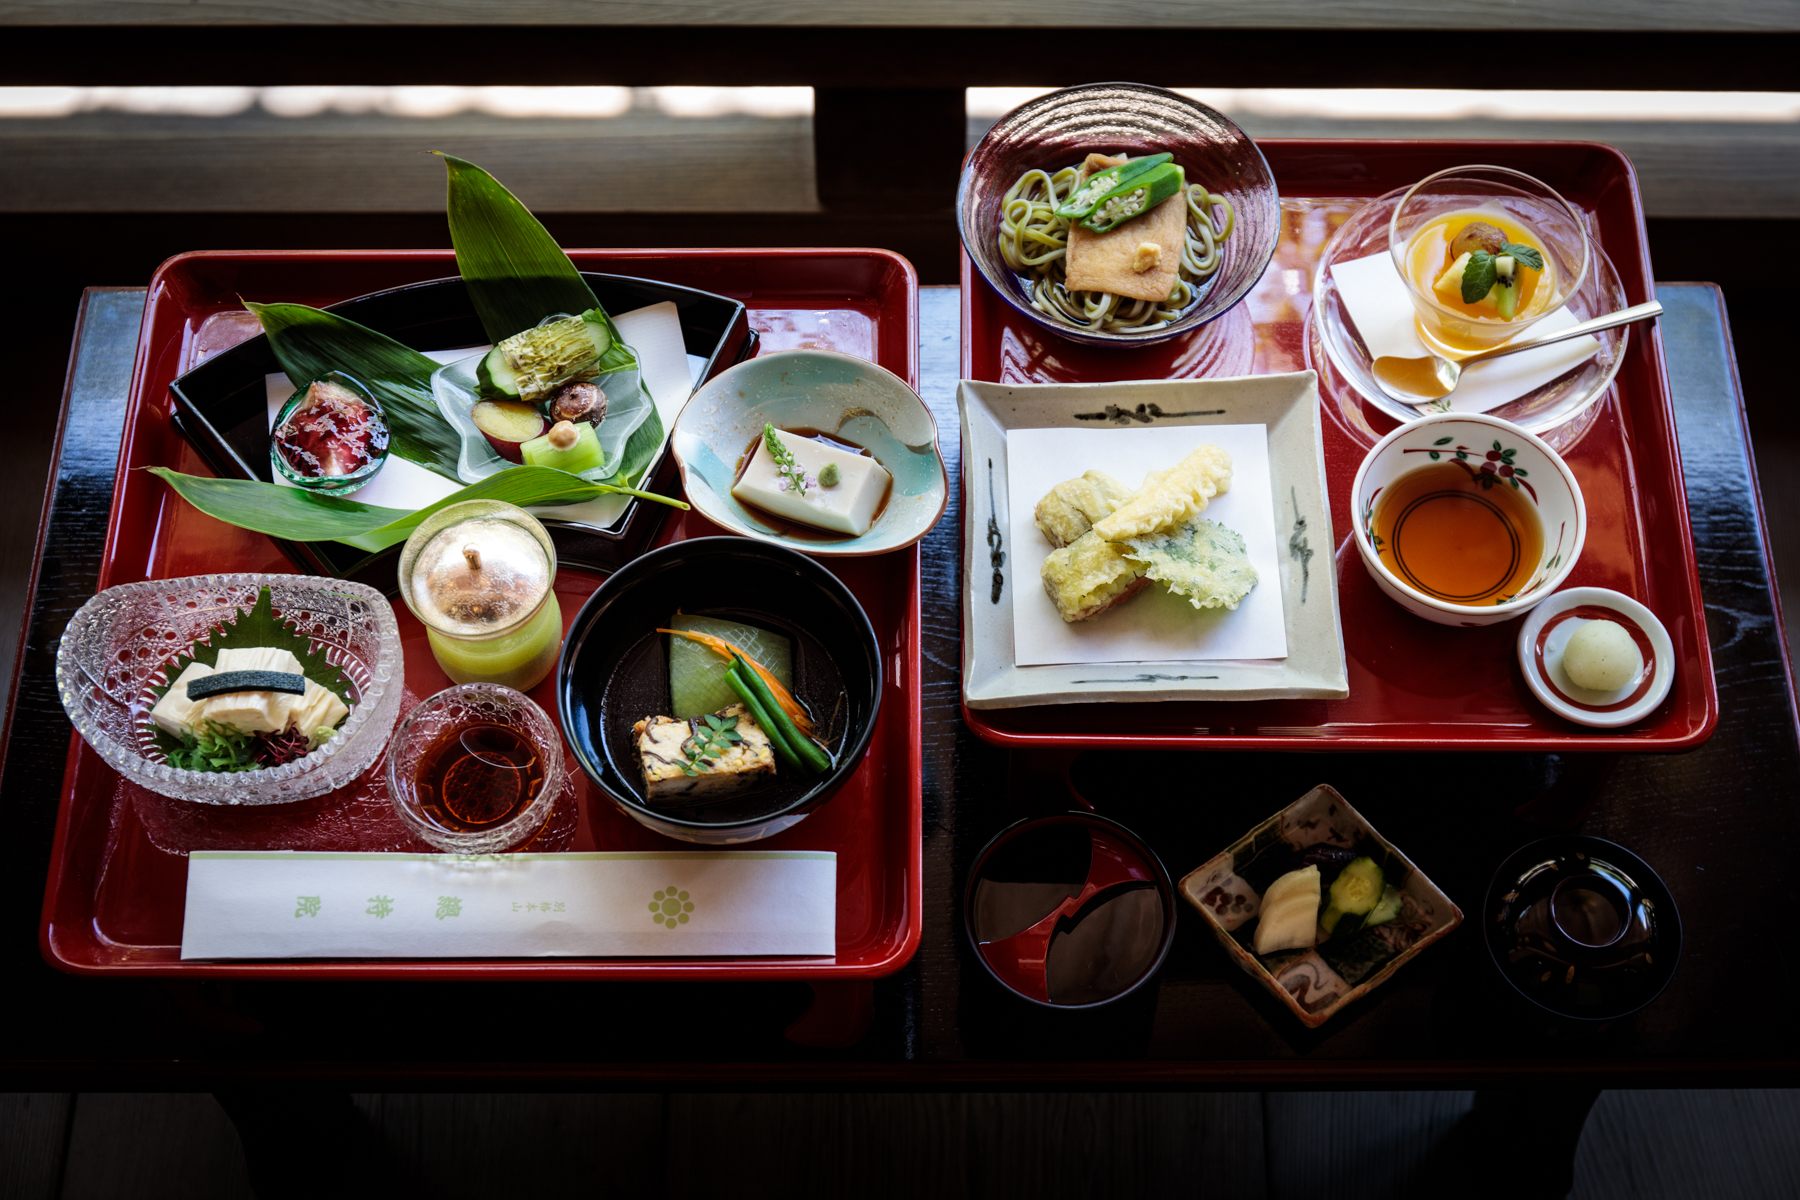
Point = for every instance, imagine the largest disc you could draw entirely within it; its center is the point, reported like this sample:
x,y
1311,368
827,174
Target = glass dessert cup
x,y
486,802
1525,209
481,576
354,439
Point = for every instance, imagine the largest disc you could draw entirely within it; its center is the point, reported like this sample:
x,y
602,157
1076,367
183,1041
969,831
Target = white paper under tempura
x,y
669,373
287,904
1382,310
1152,626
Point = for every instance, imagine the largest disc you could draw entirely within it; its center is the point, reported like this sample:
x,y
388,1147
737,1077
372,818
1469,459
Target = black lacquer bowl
x,y
1581,927
614,672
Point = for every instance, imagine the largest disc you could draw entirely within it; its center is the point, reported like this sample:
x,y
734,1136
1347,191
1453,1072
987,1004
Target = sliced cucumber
x,y
1386,908
1354,892
531,364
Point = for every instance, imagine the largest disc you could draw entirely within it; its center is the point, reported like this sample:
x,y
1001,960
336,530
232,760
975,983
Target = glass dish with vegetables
x,y
234,689
1317,906
719,689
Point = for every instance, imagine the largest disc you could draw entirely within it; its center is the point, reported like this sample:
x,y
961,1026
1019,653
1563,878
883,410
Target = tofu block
x,y
253,712
319,709
1107,262
847,507
174,714
666,767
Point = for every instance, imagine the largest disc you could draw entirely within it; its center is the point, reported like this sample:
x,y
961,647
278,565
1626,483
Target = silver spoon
x,y
1432,376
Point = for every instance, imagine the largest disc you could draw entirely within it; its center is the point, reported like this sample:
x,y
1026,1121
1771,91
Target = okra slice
x,y
1135,197
1101,183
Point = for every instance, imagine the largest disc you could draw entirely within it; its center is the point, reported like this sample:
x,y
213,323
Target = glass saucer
x,y
1559,411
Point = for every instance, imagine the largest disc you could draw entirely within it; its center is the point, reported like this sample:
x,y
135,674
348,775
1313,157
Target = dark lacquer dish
x,y
720,775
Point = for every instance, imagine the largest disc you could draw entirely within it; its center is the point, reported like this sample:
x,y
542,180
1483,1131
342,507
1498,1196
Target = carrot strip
x,y
726,650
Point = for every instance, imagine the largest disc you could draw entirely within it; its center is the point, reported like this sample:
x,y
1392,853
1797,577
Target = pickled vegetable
x,y
1289,919
1355,891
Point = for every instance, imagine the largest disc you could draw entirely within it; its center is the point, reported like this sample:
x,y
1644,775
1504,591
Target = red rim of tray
x,y
117,911
1437,688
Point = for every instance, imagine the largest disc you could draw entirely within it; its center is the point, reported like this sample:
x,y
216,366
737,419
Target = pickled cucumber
x,y
1354,892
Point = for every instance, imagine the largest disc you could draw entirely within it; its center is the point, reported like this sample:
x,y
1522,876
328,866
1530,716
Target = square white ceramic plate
x,y
1287,404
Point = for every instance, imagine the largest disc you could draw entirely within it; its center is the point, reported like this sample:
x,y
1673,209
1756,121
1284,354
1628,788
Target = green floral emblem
x,y
670,907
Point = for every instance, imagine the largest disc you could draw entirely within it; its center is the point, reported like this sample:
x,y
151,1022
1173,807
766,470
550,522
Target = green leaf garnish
x,y
259,626
712,736
1478,277
1524,255
297,515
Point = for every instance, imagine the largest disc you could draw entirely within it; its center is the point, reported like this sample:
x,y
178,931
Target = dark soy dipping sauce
x,y
477,776
1098,953
639,688
794,529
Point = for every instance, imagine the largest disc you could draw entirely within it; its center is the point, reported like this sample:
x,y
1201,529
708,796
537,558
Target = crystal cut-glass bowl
x,y
118,647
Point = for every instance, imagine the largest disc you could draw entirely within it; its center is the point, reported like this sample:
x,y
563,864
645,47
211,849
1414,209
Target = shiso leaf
x,y
310,343
255,627
1199,560
301,516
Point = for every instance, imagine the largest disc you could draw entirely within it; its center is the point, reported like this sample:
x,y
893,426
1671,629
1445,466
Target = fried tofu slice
x,y
1170,496
675,769
1089,576
1070,509
1118,261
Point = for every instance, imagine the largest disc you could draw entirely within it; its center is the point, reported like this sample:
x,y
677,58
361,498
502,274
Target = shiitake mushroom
x,y
578,401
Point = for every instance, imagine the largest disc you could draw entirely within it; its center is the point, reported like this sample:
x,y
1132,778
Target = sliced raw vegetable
x,y
1386,908
535,362
1135,197
1289,919
816,760
700,650
1103,183
1353,893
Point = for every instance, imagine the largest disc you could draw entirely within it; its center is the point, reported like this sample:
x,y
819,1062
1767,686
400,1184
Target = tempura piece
x,y
1070,508
1089,576
1199,560
1171,496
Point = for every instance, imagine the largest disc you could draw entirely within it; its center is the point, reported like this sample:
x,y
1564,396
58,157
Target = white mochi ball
x,y
1601,657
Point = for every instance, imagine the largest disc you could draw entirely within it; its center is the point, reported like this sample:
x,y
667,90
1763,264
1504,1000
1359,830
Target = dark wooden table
x,y
1722,825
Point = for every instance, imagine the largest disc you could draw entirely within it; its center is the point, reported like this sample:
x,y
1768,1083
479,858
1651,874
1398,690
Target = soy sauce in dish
x,y
794,529
477,776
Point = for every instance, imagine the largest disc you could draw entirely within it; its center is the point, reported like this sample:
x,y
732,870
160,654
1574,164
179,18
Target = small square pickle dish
x,y
1317,982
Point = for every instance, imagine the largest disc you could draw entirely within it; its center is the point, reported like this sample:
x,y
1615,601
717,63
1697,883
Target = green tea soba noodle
x,y
1034,242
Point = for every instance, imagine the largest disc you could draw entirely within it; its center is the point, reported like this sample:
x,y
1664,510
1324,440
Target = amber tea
x,y
478,776
1459,534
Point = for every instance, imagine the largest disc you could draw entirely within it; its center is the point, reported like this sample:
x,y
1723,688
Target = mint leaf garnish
x,y
1478,277
1526,255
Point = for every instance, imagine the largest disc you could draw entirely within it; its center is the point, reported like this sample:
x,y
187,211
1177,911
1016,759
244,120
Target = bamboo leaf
x,y
517,274
301,516
309,342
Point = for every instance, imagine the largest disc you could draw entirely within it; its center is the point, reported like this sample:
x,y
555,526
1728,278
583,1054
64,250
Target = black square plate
x,y
221,405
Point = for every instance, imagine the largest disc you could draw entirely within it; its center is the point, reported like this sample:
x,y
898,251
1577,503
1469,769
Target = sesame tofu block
x,y
1111,261
730,754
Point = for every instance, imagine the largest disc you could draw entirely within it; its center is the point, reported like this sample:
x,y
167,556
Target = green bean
x,y
815,759
760,715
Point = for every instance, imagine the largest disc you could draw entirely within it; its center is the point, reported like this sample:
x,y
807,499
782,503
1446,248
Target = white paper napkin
x,y
1378,302
287,904
1152,626
669,372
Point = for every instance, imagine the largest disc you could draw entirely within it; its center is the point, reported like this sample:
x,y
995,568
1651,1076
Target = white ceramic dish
x,y
1487,447
1547,631
1287,404
844,397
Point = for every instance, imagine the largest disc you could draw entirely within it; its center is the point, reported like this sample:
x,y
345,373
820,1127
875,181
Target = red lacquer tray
x,y
1413,685
114,899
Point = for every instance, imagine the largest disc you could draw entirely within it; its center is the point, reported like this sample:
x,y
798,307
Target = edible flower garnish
x,y
793,478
